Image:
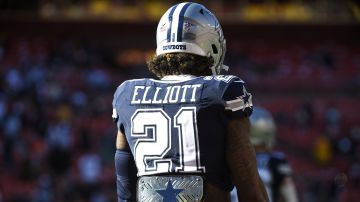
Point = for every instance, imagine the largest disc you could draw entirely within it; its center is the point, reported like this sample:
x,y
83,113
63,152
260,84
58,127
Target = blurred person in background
x,y
273,167
188,131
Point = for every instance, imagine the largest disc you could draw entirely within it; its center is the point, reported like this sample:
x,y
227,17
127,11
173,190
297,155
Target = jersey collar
x,y
183,77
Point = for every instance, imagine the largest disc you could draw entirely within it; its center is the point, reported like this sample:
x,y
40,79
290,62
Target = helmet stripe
x,y
170,22
181,22
175,22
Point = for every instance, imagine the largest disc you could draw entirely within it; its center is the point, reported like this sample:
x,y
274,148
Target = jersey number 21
x,y
150,150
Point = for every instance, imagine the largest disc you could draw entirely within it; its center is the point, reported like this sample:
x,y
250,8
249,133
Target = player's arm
x,y
240,153
242,162
282,169
125,170
287,190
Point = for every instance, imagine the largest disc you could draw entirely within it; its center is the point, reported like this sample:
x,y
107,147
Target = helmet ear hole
x,y
215,50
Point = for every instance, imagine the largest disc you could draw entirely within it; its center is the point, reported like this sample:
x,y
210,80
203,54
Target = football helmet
x,y
263,129
191,28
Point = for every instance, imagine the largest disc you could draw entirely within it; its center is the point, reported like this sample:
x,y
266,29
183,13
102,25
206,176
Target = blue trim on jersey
x,y
170,22
181,22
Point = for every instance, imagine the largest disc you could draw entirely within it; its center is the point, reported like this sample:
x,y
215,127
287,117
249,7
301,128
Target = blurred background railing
x,y
61,61
270,11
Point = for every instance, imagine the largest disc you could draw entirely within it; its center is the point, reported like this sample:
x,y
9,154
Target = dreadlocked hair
x,y
180,63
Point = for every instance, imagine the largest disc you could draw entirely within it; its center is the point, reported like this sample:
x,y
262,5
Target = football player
x,y
184,137
273,167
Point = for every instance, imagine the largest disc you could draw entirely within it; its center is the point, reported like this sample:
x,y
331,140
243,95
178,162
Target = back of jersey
x,y
178,125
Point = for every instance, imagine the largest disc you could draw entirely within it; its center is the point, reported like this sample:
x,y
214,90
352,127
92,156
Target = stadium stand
x,y
58,75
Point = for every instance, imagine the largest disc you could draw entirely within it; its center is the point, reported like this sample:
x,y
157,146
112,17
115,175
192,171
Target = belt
x,y
170,188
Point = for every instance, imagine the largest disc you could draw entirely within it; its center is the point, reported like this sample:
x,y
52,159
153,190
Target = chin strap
x,y
222,67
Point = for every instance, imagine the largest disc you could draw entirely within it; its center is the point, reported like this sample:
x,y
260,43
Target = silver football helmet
x,y
263,129
191,28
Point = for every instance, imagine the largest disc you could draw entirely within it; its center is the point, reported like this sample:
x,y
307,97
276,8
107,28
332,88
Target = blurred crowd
x,y
312,89
57,137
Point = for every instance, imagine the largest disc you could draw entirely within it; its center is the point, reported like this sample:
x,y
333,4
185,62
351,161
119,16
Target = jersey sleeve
x,y
115,102
237,99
